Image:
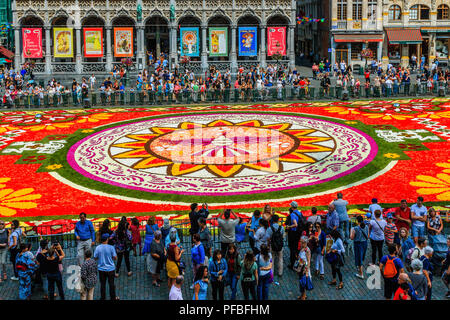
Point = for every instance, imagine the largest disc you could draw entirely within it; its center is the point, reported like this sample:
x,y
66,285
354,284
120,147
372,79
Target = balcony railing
x,y
63,67
342,24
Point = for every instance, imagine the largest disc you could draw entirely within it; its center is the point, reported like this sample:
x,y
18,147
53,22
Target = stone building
x,y
355,25
393,29
156,27
420,27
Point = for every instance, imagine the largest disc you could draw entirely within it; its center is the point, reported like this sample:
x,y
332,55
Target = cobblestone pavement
x,y
138,286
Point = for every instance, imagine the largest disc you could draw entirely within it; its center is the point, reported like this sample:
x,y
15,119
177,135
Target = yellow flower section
x,y
391,155
439,186
11,200
54,166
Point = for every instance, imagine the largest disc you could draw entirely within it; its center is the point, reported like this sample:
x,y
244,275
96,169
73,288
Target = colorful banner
x,y
276,40
63,42
32,43
123,42
248,44
218,42
189,42
93,42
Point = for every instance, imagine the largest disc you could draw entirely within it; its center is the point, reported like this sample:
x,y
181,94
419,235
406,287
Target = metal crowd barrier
x,y
271,94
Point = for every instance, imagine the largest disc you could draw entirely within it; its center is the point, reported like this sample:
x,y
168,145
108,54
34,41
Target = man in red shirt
x,y
403,216
403,220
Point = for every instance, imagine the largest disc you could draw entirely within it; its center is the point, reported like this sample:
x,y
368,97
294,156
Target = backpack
x,y
276,240
301,223
246,275
389,269
409,255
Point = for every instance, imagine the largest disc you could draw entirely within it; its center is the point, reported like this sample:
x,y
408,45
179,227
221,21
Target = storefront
x,y
348,47
439,43
401,45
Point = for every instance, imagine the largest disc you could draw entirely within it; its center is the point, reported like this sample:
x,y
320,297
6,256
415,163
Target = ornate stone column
x,y
78,65
262,47
204,53
108,49
17,53
140,54
173,43
48,52
292,47
233,54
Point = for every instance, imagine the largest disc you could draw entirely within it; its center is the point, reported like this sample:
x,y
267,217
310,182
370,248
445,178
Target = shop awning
x,y
358,37
404,36
7,53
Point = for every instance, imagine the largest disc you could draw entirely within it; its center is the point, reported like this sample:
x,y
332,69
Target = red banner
x,y
276,40
32,42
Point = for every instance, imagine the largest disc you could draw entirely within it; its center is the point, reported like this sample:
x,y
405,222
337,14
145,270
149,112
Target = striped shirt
x,y
389,232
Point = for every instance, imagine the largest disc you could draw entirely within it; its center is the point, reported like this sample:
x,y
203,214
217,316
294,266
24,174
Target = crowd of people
x,y
407,268
389,81
159,83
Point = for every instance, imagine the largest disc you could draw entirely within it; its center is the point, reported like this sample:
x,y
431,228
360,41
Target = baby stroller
x,y
439,245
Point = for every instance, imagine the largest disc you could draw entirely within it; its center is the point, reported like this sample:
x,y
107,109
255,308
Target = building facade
x,y
355,25
420,27
393,29
308,37
156,26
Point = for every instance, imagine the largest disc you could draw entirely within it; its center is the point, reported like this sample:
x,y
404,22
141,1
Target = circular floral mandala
x,y
222,154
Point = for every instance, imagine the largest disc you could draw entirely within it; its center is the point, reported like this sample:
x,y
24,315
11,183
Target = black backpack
x,y
301,223
276,241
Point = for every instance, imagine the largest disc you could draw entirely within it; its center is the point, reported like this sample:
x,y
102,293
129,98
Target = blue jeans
x,y
417,231
360,248
263,287
232,280
343,230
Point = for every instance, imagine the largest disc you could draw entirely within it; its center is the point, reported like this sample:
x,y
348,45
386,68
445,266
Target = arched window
x,y
442,12
419,12
395,12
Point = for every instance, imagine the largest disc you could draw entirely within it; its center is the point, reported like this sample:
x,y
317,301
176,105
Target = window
x,y
356,51
342,10
442,12
372,10
357,10
419,12
395,12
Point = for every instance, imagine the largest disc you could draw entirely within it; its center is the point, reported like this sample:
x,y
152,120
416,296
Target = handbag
x,y
331,257
305,282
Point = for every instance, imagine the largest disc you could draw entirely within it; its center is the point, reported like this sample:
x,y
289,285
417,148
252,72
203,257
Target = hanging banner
x,y
32,43
248,45
189,42
218,42
123,42
63,42
93,42
276,40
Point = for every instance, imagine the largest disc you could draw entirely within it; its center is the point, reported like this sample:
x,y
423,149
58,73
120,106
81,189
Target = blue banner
x,y
189,41
248,44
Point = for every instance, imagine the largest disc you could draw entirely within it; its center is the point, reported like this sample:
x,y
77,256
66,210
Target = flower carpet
x,y
55,164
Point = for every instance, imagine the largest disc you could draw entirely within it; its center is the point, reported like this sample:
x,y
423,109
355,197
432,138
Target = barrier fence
x,y
287,93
